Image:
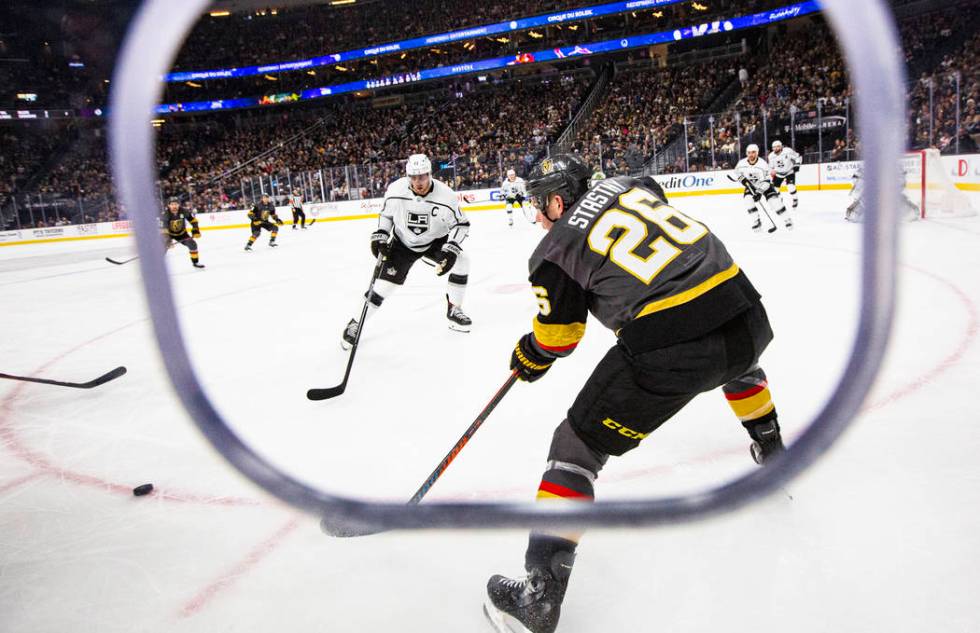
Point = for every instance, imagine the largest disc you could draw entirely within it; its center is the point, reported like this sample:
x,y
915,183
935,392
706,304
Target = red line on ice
x,y
12,441
254,557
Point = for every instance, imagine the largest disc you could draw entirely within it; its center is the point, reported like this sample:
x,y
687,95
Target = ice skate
x,y
532,604
768,441
458,320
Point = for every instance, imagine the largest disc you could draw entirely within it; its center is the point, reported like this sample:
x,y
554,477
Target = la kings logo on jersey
x,y
418,223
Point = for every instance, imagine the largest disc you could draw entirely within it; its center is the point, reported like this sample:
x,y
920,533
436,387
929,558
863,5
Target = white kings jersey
x,y
420,220
756,172
513,188
784,161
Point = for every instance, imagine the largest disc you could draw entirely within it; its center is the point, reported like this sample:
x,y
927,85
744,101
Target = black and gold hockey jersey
x,y
643,268
261,212
175,224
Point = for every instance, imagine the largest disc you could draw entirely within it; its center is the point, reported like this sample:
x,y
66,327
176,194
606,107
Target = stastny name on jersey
x,y
594,203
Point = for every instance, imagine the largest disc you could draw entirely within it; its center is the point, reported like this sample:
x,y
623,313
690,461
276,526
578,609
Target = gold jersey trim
x,y
688,295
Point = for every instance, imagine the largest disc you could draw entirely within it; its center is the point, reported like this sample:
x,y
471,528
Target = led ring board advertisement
x,y
869,40
375,50
496,63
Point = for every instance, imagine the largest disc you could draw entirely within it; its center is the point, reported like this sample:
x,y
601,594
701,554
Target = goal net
x,y
931,189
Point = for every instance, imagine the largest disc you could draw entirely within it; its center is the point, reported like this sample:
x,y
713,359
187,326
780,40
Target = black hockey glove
x,y
379,243
796,168
278,220
528,361
196,233
447,257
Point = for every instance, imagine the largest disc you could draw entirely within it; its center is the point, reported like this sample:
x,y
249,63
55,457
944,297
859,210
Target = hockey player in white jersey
x,y
784,163
420,218
512,188
753,173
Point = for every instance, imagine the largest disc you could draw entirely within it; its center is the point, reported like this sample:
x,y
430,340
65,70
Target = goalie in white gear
x,y
753,173
420,218
855,199
784,163
514,193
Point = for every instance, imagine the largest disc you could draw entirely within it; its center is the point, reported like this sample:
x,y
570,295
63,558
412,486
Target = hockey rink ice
x,y
880,535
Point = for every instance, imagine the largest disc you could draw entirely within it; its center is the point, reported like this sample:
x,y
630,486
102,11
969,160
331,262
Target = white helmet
x,y
751,148
417,165
511,172
777,144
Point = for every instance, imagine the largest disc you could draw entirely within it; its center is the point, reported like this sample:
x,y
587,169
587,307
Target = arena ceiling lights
x,y
496,63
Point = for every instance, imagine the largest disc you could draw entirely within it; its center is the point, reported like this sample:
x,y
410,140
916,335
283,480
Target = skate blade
x,y
500,621
455,327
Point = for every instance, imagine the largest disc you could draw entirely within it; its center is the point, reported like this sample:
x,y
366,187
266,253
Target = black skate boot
x,y
457,318
198,265
768,442
350,335
531,605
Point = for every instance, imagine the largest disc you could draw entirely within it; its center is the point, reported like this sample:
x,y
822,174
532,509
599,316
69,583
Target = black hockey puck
x,y
145,489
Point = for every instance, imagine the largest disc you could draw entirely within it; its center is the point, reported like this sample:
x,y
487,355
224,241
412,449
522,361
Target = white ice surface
x,y
881,535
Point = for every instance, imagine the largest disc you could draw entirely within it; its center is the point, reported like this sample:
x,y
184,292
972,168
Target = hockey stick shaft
x,y
464,440
332,392
334,528
104,378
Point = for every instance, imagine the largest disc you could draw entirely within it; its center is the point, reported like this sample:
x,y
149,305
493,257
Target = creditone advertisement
x,y
963,171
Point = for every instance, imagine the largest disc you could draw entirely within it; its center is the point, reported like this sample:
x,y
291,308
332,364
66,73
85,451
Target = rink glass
x,y
869,40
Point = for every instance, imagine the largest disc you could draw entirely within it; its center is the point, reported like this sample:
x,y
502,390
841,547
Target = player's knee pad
x,y
791,188
462,266
572,466
749,203
749,397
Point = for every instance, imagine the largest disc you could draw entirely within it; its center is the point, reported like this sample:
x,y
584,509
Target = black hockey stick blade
x,y
340,529
120,263
771,229
101,380
326,393
333,392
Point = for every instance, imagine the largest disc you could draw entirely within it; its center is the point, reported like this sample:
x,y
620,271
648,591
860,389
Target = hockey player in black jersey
x,y
687,321
174,221
260,214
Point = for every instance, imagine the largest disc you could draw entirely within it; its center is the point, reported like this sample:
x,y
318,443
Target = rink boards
x,y
963,170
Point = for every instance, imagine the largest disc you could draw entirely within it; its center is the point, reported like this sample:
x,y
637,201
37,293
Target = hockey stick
x,y
338,529
757,198
101,380
120,263
333,392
